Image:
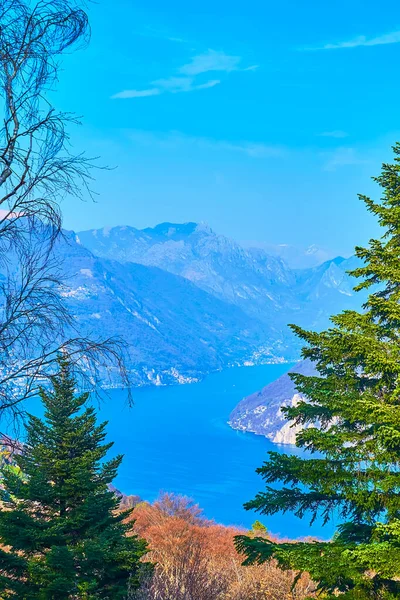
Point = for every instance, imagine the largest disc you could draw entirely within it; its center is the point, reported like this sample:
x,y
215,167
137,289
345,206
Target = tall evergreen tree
x,y
352,426
60,529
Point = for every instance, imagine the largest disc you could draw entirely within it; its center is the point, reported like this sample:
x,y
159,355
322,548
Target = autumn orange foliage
x,y
195,559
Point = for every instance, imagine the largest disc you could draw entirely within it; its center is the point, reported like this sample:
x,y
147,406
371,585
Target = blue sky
x,y
263,119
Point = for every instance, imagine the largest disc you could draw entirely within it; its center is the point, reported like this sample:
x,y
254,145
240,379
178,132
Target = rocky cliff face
x,y
261,412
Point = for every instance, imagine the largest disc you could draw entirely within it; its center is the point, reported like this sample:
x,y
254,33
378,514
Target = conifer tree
x,y
351,416
62,534
258,529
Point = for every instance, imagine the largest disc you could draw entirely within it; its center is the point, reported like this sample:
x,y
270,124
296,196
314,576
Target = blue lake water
x,y
177,439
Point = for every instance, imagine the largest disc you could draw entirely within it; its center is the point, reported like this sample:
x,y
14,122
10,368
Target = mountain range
x,y
176,332
188,301
261,285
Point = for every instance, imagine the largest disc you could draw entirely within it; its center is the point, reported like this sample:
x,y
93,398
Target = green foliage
x,y
258,528
60,525
352,426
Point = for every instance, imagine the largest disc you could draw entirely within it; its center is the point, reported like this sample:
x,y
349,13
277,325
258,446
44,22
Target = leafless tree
x,y
38,170
195,559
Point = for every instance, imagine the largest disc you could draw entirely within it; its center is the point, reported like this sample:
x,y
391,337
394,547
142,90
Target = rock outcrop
x,y
261,413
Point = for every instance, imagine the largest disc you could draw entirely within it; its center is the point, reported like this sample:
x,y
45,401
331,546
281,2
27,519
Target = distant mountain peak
x,y
338,260
178,230
171,230
165,229
204,227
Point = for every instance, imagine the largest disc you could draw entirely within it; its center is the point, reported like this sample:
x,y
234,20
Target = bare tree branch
x,y
38,170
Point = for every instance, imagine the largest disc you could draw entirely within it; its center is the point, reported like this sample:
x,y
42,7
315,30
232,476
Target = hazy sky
x,y
262,118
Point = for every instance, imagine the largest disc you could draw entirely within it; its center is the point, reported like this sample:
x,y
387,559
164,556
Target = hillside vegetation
x,y
195,559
